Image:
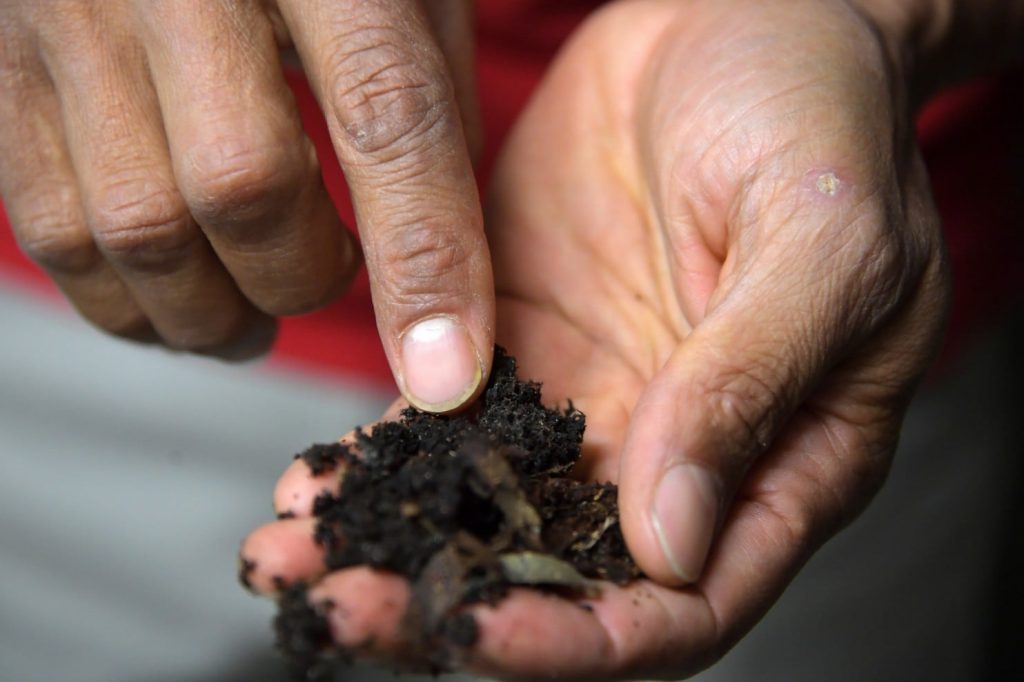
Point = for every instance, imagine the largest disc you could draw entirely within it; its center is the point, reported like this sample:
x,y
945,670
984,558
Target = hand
x,y
152,160
713,232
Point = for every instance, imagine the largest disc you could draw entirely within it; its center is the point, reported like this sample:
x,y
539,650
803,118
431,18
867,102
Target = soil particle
x,y
464,507
323,502
304,637
324,457
461,630
245,569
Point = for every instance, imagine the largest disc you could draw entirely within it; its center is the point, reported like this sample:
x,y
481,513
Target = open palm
x,y
709,230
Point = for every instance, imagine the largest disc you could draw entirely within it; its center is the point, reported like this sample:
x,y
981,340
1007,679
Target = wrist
x,y
938,42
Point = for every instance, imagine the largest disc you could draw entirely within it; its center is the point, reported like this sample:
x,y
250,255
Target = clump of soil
x,y
464,507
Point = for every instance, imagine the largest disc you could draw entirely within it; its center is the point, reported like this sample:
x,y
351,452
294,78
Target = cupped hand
x,y
712,231
153,162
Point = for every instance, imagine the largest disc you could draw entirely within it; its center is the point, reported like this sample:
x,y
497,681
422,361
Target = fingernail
x,y
440,366
684,517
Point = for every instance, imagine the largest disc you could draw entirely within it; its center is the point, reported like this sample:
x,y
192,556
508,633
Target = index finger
x,y
386,91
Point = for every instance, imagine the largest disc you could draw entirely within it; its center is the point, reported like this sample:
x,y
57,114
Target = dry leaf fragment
x,y
586,543
534,568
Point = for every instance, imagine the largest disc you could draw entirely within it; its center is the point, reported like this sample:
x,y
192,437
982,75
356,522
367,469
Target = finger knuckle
x,y
879,255
829,488
885,261
419,260
850,464
295,291
202,328
742,408
205,338
233,177
797,525
123,320
143,226
302,297
58,243
385,100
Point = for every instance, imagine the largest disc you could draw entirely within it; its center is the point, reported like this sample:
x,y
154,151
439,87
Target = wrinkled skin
x,y
153,162
712,231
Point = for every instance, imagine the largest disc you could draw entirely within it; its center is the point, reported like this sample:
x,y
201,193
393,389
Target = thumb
x,y
789,312
711,410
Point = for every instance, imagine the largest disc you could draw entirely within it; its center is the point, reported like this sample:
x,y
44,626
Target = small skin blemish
x,y
828,184
824,183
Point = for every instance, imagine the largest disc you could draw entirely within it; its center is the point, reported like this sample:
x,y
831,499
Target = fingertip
x,y
440,368
524,636
365,609
298,488
671,532
278,554
669,503
683,516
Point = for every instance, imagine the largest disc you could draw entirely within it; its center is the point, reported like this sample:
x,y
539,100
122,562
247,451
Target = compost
x,y
464,507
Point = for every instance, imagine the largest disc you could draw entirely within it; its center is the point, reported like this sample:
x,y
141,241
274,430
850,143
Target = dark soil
x,y
464,507
323,457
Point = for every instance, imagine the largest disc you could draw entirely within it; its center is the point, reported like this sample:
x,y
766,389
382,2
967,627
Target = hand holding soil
x,y
711,231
